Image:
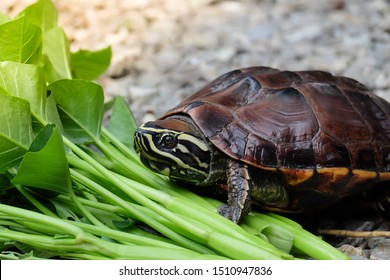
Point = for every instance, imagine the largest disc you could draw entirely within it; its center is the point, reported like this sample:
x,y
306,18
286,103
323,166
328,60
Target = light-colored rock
x,y
355,253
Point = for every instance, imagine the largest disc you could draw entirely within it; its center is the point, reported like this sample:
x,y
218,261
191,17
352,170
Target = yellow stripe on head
x,y
181,154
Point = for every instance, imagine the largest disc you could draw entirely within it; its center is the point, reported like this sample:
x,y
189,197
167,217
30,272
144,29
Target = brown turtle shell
x,y
320,132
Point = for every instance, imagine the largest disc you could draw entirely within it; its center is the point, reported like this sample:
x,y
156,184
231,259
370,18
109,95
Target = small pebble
x,y
381,251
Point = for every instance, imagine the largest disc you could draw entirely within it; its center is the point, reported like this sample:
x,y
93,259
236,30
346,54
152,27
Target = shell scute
x,y
238,140
329,152
374,114
366,158
297,155
213,119
260,151
269,116
334,113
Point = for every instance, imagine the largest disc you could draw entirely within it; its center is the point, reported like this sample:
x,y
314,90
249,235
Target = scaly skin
x,y
239,198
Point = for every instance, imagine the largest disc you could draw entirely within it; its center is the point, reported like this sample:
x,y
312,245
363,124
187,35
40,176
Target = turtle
x,y
286,141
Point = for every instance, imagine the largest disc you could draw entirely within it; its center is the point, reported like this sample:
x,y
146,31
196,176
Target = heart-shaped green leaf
x,y
42,13
45,165
26,82
81,108
122,124
16,132
4,18
56,55
20,41
89,65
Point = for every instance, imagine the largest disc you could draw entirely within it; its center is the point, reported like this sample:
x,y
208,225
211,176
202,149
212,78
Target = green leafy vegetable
x,y
20,41
4,18
16,134
42,13
45,165
121,122
90,65
27,82
81,105
56,55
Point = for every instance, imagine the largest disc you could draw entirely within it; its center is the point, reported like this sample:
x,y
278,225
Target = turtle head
x,y
174,147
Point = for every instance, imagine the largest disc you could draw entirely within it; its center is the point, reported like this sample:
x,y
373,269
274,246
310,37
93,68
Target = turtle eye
x,y
168,141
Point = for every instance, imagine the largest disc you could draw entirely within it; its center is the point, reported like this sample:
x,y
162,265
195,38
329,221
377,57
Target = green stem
x,y
84,256
27,215
305,241
18,226
44,242
84,210
124,237
121,147
240,249
209,218
35,202
114,208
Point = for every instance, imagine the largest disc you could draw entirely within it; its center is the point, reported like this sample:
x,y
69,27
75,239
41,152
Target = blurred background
x,y
164,50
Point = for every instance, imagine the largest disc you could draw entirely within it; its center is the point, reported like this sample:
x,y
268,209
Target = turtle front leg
x,y
239,192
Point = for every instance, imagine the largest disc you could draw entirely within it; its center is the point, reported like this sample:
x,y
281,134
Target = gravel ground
x,y
165,50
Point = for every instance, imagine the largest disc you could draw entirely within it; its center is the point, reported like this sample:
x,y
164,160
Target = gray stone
x,y
381,251
355,253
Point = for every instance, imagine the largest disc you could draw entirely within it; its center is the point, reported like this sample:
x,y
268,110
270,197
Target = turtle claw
x,y
232,213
